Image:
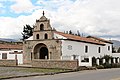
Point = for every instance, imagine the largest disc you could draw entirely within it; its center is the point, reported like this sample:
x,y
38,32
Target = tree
x,y
66,32
27,32
70,32
118,51
113,50
78,33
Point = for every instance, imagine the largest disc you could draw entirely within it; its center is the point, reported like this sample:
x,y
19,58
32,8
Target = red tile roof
x,y
78,38
100,39
10,46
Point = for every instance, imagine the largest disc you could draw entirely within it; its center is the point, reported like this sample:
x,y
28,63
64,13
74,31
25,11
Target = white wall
x,y
78,48
12,56
116,55
57,36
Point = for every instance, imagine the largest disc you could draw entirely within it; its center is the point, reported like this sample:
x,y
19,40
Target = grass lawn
x,y
38,70
19,71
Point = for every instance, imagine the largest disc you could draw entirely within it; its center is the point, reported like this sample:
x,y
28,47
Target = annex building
x,y
47,44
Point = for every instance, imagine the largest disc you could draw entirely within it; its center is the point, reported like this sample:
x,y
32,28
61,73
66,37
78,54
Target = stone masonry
x,y
64,64
8,62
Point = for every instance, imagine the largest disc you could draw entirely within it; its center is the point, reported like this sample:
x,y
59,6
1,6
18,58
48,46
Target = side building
x,y
9,51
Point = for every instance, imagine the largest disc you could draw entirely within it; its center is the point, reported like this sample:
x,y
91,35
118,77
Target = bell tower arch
x,y
43,28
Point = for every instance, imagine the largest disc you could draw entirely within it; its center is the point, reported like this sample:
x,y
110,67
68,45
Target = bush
x,y
118,64
115,65
100,67
107,65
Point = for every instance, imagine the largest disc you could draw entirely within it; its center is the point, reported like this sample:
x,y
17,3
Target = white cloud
x,y
93,17
1,5
23,6
2,11
12,27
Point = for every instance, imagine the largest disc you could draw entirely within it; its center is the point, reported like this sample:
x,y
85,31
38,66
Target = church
x,y
49,44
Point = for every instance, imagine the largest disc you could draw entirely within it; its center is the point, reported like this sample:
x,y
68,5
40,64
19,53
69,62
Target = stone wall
x,y
64,64
7,62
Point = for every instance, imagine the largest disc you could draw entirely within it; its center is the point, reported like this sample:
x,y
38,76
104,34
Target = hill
x,y
116,43
8,40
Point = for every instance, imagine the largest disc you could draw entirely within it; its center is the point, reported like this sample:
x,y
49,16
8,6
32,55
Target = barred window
x,y
99,49
108,48
4,55
86,49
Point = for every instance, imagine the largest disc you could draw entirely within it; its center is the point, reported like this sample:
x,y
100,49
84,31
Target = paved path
x,y
107,74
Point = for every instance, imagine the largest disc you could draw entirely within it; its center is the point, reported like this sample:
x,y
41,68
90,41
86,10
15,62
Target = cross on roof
x,y
43,13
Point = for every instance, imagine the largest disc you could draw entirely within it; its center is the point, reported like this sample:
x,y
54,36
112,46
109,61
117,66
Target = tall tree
x,y
113,50
70,32
27,32
78,33
118,50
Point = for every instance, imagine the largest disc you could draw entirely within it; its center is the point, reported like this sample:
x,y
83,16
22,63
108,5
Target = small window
x,y
108,48
69,47
84,59
86,49
15,51
37,36
46,36
4,55
41,27
99,49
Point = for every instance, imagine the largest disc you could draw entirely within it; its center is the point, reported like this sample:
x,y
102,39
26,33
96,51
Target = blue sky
x,y
92,17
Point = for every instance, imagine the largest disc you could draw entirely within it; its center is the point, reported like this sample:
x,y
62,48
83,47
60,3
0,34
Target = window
x,y
108,48
15,51
99,49
4,55
84,59
86,49
37,36
41,27
46,36
69,47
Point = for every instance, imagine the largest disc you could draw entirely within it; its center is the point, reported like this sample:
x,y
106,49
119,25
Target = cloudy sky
x,y
99,18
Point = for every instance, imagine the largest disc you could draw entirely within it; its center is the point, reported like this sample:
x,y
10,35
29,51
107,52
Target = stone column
x,y
90,61
97,61
114,60
72,57
79,60
109,61
103,60
118,59
61,58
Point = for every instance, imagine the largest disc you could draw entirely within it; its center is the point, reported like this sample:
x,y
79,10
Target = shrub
x,y
107,65
118,64
115,65
100,67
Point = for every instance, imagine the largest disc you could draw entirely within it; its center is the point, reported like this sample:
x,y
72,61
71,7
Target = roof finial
x,y
43,13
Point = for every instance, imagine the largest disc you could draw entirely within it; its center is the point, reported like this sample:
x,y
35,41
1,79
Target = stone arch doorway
x,y
41,51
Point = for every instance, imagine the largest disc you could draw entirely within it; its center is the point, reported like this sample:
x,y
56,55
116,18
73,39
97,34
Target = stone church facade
x,y
42,45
